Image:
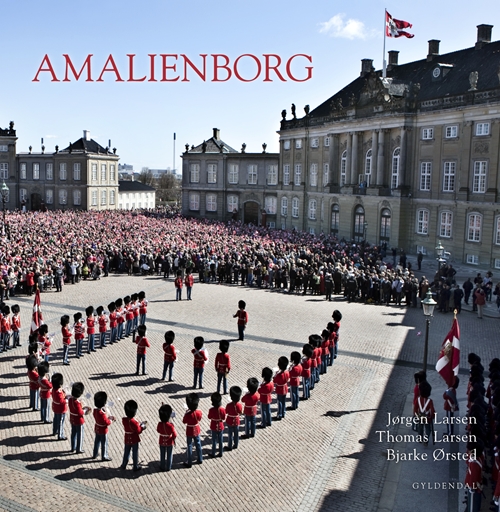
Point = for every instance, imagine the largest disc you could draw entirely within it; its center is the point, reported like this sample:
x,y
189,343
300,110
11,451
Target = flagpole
x,y
384,65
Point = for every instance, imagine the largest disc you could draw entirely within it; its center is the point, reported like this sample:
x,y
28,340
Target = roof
x,y
134,186
212,145
87,146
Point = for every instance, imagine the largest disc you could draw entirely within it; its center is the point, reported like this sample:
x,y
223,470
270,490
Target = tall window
x,y
497,231
112,175
335,218
343,168
252,174
103,173
194,201
368,167
326,174
445,224
449,176
4,171
212,173
49,196
272,174
36,171
385,224
112,197
63,197
315,142
104,197
94,198
313,204
194,173
298,144
286,145
479,183
77,197
23,195
94,172
49,171
451,132
77,172
327,142
427,133
423,222
211,203
233,174
482,129
232,204
63,173
284,206
295,207
298,174
22,171
314,175
474,227
271,205
359,224
286,174
395,168
425,175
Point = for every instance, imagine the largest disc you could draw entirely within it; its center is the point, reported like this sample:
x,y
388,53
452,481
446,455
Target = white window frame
x,y
94,172
233,174
211,202
77,171
298,143
112,173
63,196
451,132
36,171
425,176
497,263
194,202
295,207
93,198
343,168
474,227
271,204
49,196
23,195
286,145
63,172
252,173
49,171
335,217
395,167
313,175
422,227
104,197
326,174
449,174
472,259
368,167
112,197
427,133
212,173
497,231
327,142
445,224
297,175
194,173
4,171
479,178
272,174
77,197
104,172
313,208
232,203
284,206
315,142
286,174
4,148
22,171
482,129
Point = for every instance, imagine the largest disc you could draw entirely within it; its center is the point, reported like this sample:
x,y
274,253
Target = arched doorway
x,y
359,224
36,201
251,213
385,226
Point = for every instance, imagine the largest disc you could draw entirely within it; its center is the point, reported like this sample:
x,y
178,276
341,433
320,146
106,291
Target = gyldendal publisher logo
x,y
437,486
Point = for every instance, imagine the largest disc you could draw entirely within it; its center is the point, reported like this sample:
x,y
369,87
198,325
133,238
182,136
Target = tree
x,y
147,177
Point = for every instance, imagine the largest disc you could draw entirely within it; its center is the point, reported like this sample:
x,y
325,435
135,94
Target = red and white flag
x,y
37,318
449,357
395,28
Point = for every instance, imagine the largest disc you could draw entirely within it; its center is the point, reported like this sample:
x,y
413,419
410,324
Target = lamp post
x,y
5,196
440,253
428,305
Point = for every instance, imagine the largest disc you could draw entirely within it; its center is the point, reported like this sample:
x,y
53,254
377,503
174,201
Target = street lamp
x,y
440,253
428,305
5,196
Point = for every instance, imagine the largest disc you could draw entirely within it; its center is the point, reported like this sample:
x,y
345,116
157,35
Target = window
x,y
343,168
194,173
314,175
112,175
232,204
286,174
326,174
359,224
286,145
23,195
479,183
271,224
313,204
252,174
312,231
472,259
104,172
22,171
4,171
497,262
425,176
49,196
497,231
77,172
474,227
212,173
63,197
315,142
298,144
233,175
284,206
211,203
112,196
194,201
445,223
422,222
272,174
62,172
94,172
385,224
94,198
449,176
295,207
451,132
4,148
104,197
49,171
368,167
271,205
395,168
327,142
335,218
482,129
36,171
427,133
298,174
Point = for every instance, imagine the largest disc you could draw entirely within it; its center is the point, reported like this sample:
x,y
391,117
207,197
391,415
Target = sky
x,y
141,117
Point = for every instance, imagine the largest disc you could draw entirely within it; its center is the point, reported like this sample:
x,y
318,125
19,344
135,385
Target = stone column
x,y
380,158
402,157
354,160
348,160
374,157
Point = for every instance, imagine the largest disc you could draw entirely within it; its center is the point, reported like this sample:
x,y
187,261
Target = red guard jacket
x,y
222,363
76,412
102,422
59,405
217,415
132,430
169,353
192,420
295,374
266,392
45,388
250,402
233,411
167,433
281,381
142,344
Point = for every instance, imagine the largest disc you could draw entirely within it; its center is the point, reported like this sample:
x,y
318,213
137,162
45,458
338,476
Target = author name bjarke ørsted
x,y
164,67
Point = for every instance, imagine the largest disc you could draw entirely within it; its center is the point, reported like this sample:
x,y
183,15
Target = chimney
x,y
433,49
483,35
366,66
216,133
393,57
86,134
